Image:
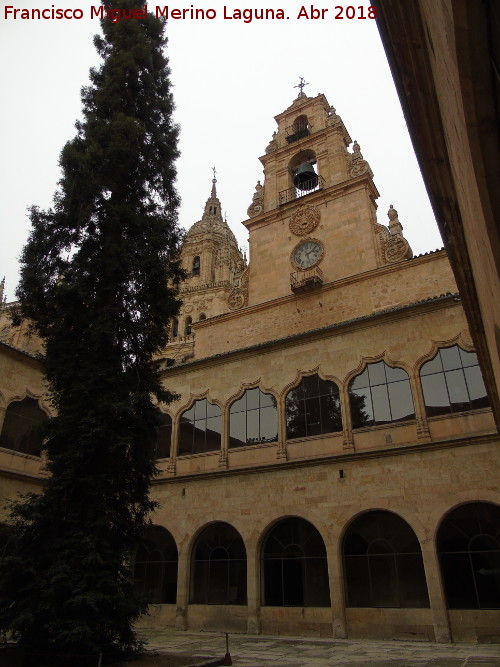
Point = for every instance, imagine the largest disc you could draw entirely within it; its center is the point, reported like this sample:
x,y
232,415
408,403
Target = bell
x,y
305,177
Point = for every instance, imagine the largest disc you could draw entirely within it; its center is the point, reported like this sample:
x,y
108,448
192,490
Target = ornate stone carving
x,y
238,297
393,245
396,249
304,220
358,164
257,205
272,145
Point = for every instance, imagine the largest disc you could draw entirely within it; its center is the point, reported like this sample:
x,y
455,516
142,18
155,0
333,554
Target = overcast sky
x,y
230,79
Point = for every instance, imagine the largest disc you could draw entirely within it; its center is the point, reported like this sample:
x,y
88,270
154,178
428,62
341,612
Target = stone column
x,y
224,438
282,451
336,579
2,417
423,432
182,590
253,588
174,443
437,598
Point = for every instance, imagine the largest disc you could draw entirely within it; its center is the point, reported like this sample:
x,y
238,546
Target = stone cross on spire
x,y
301,85
214,181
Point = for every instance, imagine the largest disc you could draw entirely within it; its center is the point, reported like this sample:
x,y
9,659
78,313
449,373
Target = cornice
x,y
388,451
373,319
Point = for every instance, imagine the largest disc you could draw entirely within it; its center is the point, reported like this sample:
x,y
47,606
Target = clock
x,y
307,254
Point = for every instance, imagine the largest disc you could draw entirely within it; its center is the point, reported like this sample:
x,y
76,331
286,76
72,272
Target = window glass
x,y
163,435
376,373
361,407
219,567
468,358
450,358
252,398
381,407
432,366
313,408
385,398
199,433
458,387
22,429
155,567
468,544
294,566
238,431
253,419
361,380
401,400
383,564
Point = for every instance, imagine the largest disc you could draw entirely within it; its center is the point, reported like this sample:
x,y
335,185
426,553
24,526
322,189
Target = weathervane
x,y
301,86
213,169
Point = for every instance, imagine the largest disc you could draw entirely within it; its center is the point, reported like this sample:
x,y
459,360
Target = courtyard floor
x,y
264,651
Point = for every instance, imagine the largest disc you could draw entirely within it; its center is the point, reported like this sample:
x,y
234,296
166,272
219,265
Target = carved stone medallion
x,y
304,220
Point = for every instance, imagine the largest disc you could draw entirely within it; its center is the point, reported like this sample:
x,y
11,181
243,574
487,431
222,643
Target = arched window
x,y
187,326
452,382
383,564
380,394
312,408
294,566
22,428
163,435
468,544
219,567
155,567
196,266
200,428
175,327
253,419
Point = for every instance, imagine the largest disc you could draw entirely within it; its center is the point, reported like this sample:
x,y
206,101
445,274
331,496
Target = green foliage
x,y
99,282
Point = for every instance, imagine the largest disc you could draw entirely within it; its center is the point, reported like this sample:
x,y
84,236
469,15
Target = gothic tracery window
x,y
163,435
312,408
219,567
22,428
468,544
380,394
253,419
383,564
452,382
155,566
294,566
200,428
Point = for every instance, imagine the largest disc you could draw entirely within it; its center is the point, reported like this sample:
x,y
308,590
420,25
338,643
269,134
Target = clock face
x,y
307,254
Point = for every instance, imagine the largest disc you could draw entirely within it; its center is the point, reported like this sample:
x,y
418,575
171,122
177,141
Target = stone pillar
x,y
2,416
336,579
253,588
182,590
436,593
174,444
224,438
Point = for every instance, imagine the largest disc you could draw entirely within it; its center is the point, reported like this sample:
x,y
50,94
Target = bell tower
x,y
313,220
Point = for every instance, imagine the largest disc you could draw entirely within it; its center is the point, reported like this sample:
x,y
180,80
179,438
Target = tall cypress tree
x,y
98,282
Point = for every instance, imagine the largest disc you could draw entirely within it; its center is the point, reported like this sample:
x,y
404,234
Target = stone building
x,y
331,466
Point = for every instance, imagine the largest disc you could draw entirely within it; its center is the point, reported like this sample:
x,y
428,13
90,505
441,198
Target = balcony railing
x,y
313,184
304,280
297,131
